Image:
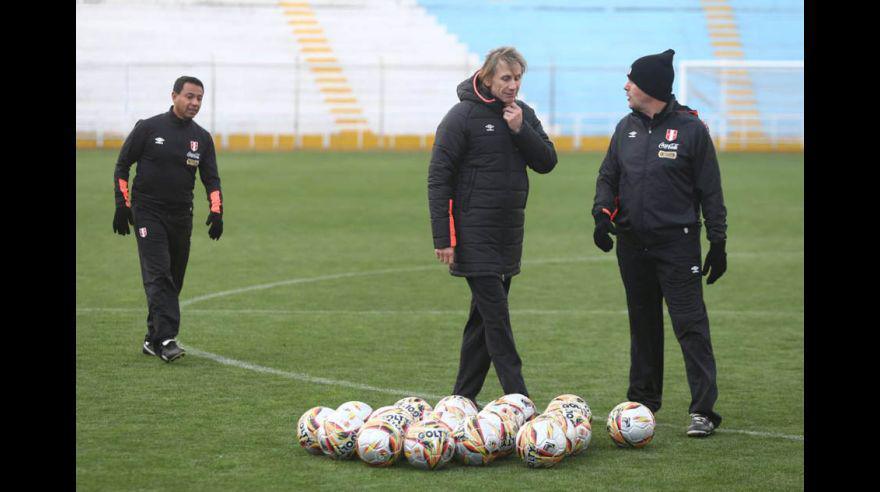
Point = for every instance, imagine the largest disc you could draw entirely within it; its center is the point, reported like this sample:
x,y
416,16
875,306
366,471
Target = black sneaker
x,y
171,351
148,348
700,426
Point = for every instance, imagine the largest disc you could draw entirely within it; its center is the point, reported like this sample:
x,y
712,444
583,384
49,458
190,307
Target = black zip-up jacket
x,y
478,185
659,174
168,151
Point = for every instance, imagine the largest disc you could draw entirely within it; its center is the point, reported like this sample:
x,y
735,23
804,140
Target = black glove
x,y
716,262
215,220
604,226
121,219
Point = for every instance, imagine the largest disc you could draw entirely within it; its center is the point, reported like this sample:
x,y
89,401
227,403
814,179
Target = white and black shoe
x,y
170,351
700,426
148,348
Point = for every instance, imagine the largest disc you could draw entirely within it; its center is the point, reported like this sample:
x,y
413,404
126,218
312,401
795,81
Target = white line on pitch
x,y
436,267
303,280
402,392
725,430
303,377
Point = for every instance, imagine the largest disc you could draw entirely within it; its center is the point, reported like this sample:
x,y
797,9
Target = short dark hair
x,y
178,84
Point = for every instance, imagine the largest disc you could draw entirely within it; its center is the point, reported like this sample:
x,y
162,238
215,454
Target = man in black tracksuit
x,y
477,192
659,174
168,148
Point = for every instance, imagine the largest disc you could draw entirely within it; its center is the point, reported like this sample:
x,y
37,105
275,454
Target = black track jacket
x,y
478,185
657,176
168,151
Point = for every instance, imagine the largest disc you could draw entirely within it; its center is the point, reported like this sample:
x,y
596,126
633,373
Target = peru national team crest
x,y
671,135
194,146
142,231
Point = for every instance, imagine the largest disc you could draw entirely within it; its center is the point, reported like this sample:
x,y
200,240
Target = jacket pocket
x,y
466,202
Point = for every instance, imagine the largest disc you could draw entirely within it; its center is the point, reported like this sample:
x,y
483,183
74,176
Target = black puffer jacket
x,y
659,174
478,185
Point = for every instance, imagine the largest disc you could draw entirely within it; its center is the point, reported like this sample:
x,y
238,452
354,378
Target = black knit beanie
x,y
653,74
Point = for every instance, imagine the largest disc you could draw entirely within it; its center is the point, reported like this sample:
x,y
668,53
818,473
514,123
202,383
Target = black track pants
x,y
669,271
488,339
163,239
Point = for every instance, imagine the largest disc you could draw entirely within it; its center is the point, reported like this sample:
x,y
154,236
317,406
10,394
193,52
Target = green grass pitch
x,y
340,247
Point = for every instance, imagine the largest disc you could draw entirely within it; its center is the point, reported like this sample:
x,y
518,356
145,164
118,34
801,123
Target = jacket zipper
x,y
645,176
467,201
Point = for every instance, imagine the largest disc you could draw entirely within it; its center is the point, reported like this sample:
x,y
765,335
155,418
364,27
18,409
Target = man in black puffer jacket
x,y
477,192
659,175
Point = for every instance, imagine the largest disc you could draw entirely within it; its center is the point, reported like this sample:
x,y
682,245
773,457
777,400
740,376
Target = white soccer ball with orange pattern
x,y
307,428
360,408
379,443
510,411
476,441
429,444
521,403
631,424
451,416
505,420
457,401
570,402
578,430
338,434
416,406
395,416
541,442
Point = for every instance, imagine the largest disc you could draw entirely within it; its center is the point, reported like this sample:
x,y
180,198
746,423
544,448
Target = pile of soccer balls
x,y
429,437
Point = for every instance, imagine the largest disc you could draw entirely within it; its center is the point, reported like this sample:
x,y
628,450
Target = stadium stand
x,y
366,74
263,74
579,54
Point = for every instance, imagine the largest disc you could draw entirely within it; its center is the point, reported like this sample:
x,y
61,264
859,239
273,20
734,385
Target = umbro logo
x,y
490,128
695,269
632,134
160,140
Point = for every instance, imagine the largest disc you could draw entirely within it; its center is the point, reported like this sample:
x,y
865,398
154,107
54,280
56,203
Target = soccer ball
x,y
505,420
379,412
307,428
570,402
395,416
508,410
578,431
429,444
541,442
338,434
456,401
379,443
521,403
451,416
416,406
631,424
476,441
362,410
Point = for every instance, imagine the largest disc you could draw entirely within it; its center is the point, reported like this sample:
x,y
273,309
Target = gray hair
x,y
507,54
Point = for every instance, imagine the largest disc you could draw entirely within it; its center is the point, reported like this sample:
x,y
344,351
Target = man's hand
x,y
215,220
121,219
600,233
716,261
445,255
513,117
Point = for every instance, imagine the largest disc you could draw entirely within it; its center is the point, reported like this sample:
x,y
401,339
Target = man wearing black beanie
x,y
659,174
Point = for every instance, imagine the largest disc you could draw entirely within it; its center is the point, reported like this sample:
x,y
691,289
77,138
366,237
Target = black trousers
x,y
163,239
668,271
488,339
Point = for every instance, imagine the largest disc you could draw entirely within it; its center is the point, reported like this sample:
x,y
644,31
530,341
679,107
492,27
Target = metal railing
x,y
282,98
